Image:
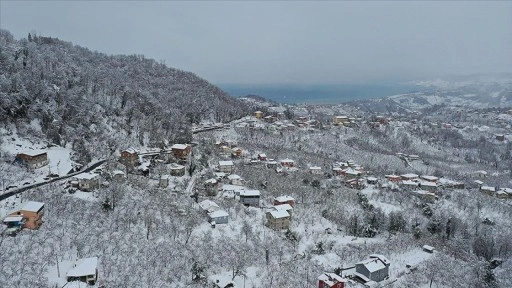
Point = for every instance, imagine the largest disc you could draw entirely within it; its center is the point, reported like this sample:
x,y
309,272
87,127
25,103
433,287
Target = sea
x,y
318,94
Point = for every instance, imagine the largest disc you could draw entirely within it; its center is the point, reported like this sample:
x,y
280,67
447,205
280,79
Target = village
x,y
225,168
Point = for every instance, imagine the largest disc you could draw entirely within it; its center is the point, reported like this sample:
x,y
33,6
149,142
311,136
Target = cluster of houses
x,y
370,271
133,158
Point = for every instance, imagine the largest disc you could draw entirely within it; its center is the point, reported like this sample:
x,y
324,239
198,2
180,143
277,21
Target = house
x,y
287,163
87,181
118,175
271,163
393,178
270,119
413,157
478,183
85,270
164,181
32,159
226,166
177,170
500,137
375,268
489,190
250,197
284,200
14,224
352,173
481,173
331,280
237,152
258,114
208,206
339,120
409,184
222,282
32,213
262,157
409,176
236,180
372,180
181,151
130,157
425,195
428,186
315,170
278,219
428,249
219,217
211,186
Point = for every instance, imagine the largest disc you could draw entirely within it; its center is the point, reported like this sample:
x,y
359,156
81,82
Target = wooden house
x,y
284,200
32,159
85,270
130,157
287,163
32,213
393,178
331,280
181,151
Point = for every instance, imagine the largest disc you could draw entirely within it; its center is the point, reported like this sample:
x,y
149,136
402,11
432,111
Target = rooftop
x,y
87,176
276,214
33,206
84,267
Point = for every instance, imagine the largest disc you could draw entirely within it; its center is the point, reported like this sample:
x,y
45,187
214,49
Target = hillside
x,y
60,90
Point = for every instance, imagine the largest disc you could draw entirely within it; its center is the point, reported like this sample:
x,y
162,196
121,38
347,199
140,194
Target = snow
x,y
372,264
284,198
13,219
87,176
179,146
285,207
248,193
32,206
84,267
225,163
59,160
219,213
279,214
208,205
32,153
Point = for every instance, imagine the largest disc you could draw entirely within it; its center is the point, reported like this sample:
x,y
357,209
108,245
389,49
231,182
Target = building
x,y
209,206
393,178
177,170
375,268
32,159
85,270
219,217
429,178
164,181
181,151
211,186
226,166
287,163
409,176
32,213
87,181
284,200
262,157
278,219
130,157
315,170
286,207
340,120
118,175
237,152
235,180
258,114
250,197
331,280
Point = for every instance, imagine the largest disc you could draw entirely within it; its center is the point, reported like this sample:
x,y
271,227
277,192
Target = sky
x,y
285,42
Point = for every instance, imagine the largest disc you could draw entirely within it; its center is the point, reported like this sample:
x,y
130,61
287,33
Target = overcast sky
x,y
285,42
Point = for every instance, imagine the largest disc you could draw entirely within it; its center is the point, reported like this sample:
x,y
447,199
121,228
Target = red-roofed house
x,y
331,280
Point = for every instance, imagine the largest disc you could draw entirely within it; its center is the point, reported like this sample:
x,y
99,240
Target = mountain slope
x,y
82,97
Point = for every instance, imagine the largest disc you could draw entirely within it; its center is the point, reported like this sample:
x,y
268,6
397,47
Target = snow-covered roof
x,y
409,175
315,168
227,187
488,188
220,174
507,190
219,213
352,172
429,184
331,279
179,146
131,150
226,163
208,205
276,214
118,172
250,193
391,176
32,153
211,181
372,178
33,206
234,177
287,161
87,176
373,264
286,207
13,219
381,258
84,267
284,198
429,178
175,166
262,155
478,182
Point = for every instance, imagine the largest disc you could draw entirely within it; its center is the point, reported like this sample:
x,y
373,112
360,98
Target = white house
x,y
88,181
85,270
219,217
226,166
